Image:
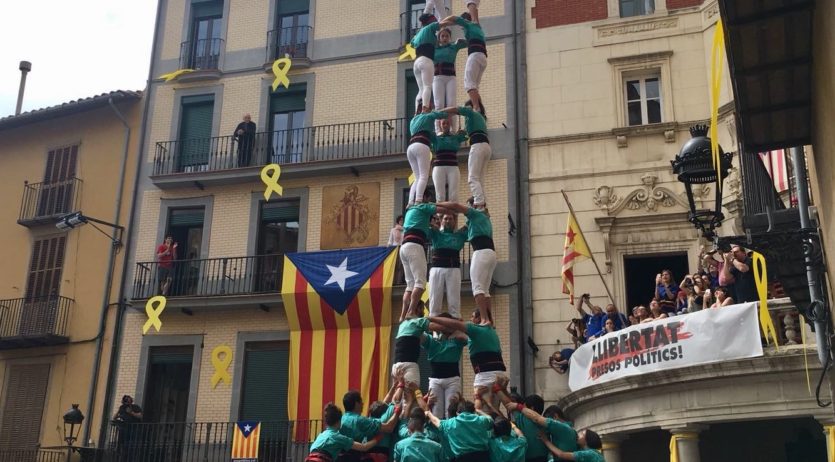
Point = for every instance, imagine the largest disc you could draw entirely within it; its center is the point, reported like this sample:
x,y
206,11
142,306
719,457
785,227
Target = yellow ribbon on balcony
x,y
281,67
153,308
173,75
716,64
674,457
221,359
761,279
830,442
409,55
269,175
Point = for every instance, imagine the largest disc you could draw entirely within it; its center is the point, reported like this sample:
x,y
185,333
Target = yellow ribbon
x,y
281,67
424,297
761,279
674,443
716,59
173,75
271,180
221,364
830,442
409,55
154,308
805,358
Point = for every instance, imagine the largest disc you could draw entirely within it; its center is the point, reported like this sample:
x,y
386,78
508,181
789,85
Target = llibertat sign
x,y
707,336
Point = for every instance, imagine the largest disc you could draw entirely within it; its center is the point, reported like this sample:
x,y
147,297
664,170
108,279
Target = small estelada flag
x,y
245,438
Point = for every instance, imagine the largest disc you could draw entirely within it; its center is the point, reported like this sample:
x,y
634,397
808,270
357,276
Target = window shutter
x,y
290,99
45,267
273,212
23,407
186,217
286,7
264,388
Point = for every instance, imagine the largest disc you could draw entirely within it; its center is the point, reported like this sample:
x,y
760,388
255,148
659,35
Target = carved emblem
x,y
351,216
649,196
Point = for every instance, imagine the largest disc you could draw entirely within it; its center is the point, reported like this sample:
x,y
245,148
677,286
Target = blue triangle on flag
x,y
337,275
247,426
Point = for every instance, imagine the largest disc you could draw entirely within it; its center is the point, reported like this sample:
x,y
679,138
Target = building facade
x,y
339,133
57,313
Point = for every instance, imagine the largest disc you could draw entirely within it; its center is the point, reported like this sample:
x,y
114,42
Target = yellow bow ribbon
x,y
173,75
761,279
271,180
221,364
281,67
716,60
805,358
154,308
674,457
424,297
830,442
409,55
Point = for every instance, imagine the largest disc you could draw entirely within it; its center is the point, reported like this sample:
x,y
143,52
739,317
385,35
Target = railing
x,y
465,256
35,316
44,201
289,41
355,140
210,277
410,24
201,54
205,441
33,455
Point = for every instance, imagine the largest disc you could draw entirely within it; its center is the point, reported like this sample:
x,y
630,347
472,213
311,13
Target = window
x,y
411,95
636,7
40,309
264,385
278,233
56,197
291,36
23,407
287,118
185,225
167,390
196,118
206,32
643,100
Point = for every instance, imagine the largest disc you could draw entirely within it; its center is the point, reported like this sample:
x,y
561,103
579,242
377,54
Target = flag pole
x,y
571,210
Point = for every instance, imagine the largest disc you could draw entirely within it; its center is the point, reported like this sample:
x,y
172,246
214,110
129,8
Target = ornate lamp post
x,y
72,425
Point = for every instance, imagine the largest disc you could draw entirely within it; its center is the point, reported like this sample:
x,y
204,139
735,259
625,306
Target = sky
x,y
78,48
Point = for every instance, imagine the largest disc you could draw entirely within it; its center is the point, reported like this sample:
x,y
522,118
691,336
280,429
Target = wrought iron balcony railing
x,y
349,141
46,202
289,41
409,24
33,455
201,54
34,321
205,441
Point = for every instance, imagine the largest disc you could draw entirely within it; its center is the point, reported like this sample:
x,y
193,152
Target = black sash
x,y
446,258
427,49
487,361
478,136
445,159
422,138
406,349
476,46
482,242
445,69
415,236
444,370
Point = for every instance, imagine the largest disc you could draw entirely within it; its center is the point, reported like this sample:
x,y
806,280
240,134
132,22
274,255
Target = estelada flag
x,y
338,306
575,250
245,438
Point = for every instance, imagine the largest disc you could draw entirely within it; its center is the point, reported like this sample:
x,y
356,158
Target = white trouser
x,y
473,70
443,90
445,281
443,390
437,8
443,177
482,265
486,379
420,159
411,371
424,70
480,154
413,257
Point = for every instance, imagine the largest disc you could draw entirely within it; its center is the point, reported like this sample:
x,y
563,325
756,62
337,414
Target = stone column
x,y
687,437
611,447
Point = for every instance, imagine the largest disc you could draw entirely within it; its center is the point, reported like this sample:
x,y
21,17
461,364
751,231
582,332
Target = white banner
x,y
707,336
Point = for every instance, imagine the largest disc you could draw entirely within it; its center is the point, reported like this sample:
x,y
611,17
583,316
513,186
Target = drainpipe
x,y
520,128
817,310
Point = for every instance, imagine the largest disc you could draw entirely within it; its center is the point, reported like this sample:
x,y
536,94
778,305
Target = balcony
x,y
206,441
32,322
289,41
410,24
321,149
34,455
44,203
203,56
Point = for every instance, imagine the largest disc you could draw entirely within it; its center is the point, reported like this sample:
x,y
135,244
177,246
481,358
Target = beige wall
x,y
100,135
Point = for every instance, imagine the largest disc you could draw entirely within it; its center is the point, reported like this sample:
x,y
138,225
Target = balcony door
x,y
23,406
196,117
264,394
287,118
206,33
186,227
291,35
640,272
40,308
278,233
56,191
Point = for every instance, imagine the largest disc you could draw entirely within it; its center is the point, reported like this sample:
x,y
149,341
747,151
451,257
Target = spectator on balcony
x,y
666,291
620,320
419,152
332,441
476,51
608,328
445,173
560,360
443,83
641,314
396,233
128,415
445,273
424,65
720,297
655,311
480,150
166,254
737,269
245,136
577,328
594,321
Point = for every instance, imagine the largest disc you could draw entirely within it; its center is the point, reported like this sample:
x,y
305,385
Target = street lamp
x,y
72,426
694,166
76,219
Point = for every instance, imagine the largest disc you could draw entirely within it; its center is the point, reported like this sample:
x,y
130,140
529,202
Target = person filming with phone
x,y
166,254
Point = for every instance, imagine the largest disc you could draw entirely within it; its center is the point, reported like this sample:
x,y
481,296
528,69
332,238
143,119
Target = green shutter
x,y
196,130
186,217
289,100
172,355
411,94
280,212
286,7
205,8
265,382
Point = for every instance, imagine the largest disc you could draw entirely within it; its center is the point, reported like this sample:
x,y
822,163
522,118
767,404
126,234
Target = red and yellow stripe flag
x,y
338,341
575,250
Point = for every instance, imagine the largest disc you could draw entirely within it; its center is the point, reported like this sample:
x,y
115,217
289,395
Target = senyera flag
x,y
574,250
245,438
709,335
338,306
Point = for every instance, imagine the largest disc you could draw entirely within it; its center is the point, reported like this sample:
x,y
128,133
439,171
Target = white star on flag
x,y
339,274
247,428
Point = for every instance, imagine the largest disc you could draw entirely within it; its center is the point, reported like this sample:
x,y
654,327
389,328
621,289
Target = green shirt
x,y
536,448
482,338
562,434
388,438
418,448
454,240
417,217
588,455
412,327
471,29
426,35
358,427
447,53
425,122
443,350
473,120
332,442
478,224
451,142
467,433
509,448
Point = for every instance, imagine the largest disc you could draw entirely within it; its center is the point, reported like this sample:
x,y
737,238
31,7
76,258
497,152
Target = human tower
x,y
442,425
